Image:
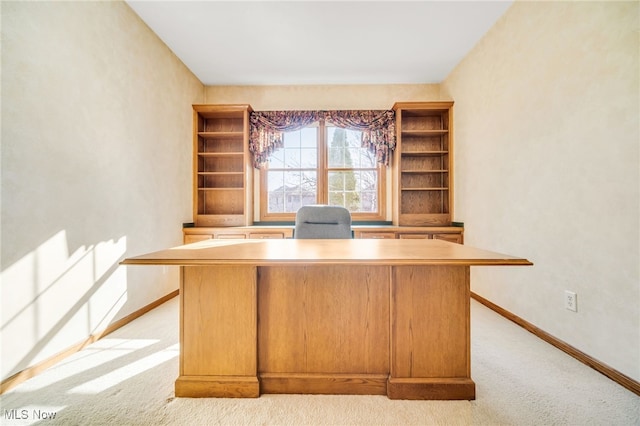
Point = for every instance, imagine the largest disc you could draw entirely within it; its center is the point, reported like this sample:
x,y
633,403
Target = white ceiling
x,y
320,42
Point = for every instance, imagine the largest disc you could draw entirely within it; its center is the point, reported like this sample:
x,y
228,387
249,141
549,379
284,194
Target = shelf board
x,y
220,135
423,153
419,172
220,154
425,189
221,189
219,173
429,132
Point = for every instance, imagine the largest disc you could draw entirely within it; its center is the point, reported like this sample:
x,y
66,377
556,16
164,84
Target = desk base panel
x,y
431,389
329,384
318,384
217,386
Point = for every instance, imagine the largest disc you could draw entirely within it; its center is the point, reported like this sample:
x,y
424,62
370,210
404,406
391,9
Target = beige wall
x,y
96,166
547,167
273,98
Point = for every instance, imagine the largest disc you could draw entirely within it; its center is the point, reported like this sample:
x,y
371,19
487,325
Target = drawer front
x,y
424,236
267,235
378,235
230,236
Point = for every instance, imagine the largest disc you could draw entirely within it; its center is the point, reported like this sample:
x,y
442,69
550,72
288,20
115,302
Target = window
x,y
292,172
322,164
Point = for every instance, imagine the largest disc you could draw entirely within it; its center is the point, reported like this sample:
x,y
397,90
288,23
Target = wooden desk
x,y
388,317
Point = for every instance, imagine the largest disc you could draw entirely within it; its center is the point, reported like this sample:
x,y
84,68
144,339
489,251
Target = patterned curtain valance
x,y
265,135
378,130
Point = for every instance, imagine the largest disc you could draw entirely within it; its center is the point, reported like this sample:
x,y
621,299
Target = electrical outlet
x,y
571,301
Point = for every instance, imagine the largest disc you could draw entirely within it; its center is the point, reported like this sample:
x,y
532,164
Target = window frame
x,y
323,184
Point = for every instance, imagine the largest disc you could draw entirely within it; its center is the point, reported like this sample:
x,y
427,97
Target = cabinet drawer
x,y
378,235
231,236
267,235
424,236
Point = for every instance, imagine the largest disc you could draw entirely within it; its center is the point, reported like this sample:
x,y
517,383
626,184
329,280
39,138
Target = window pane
x,y
289,190
293,185
276,159
344,147
367,159
291,139
292,158
309,157
300,189
368,181
300,150
275,181
357,190
309,137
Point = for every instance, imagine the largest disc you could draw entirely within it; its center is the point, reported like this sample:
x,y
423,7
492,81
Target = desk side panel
x,y
430,323
219,317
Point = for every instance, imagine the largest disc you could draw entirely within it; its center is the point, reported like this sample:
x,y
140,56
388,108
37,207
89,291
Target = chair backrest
x,y
321,221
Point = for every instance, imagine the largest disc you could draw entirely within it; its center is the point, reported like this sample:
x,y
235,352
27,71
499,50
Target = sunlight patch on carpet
x,y
121,374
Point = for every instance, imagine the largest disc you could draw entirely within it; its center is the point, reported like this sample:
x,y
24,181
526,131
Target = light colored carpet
x,y
127,379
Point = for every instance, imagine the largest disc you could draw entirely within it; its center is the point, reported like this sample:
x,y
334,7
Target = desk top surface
x,y
311,252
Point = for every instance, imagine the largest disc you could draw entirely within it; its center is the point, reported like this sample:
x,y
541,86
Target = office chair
x,y
322,221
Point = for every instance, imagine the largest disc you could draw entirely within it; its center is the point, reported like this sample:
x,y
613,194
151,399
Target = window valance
x,y
377,127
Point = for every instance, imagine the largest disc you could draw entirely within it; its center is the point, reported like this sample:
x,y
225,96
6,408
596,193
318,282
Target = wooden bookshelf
x,y
423,160
222,165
